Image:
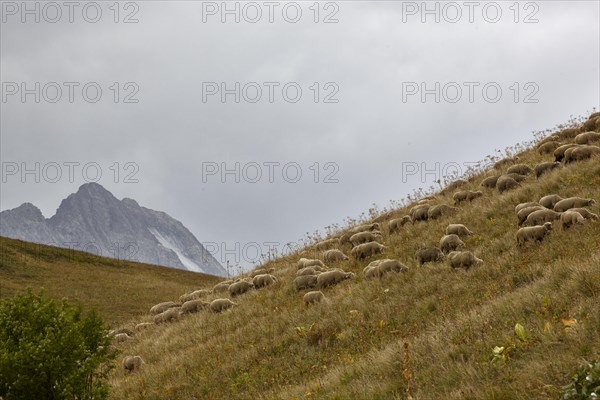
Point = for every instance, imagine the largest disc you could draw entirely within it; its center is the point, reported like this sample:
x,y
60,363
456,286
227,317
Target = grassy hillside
x,y
118,289
425,334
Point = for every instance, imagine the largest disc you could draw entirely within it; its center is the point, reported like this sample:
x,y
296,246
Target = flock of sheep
x,y
534,218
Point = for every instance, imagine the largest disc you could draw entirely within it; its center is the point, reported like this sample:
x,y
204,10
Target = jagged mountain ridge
x,y
94,220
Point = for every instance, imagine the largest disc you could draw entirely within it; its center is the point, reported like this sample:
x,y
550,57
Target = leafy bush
x,y
586,383
51,351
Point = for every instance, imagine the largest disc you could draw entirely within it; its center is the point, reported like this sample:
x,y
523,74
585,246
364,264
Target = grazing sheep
x,y
388,265
327,244
521,169
544,167
580,153
367,249
490,181
429,254
524,213
194,295
440,210
132,363
466,195
219,305
587,137
521,206
332,277
535,233
309,271
122,337
372,272
551,138
500,164
463,259
305,282
193,306
345,238
450,243
550,201
506,183
540,217
171,315
240,287
305,262
313,297
162,307
458,229
517,177
335,255
568,133
261,271
395,224
569,218
585,213
420,213
364,237
263,280
121,330
360,228
142,326
559,153
222,287
573,202
548,147
593,123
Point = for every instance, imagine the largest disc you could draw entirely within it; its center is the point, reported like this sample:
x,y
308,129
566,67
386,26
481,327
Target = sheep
x,y
452,186
585,213
327,244
335,255
372,272
450,243
506,183
551,138
313,297
490,181
193,306
143,325
573,202
367,249
458,229
395,224
132,363
332,277
544,167
568,133
420,213
587,137
261,271
580,153
550,200
219,305
516,177
170,315
121,337
429,254
440,210
305,282
500,164
521,206
521,169
360,228
548,147
592,123
305,262
559,153
524,213
364,237
240,287
535,233
569,218
466,195
464,259
162,307
121,330
309,271
540,217
379,268
194,295
222,287
263,280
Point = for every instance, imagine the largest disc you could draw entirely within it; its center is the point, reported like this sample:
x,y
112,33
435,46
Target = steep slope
x,y
95,221
118,289
429,333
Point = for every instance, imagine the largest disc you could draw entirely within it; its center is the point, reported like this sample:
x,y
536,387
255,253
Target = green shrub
x,y
51,351
586,383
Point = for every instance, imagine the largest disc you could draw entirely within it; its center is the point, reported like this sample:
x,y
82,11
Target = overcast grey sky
x,y
366,71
